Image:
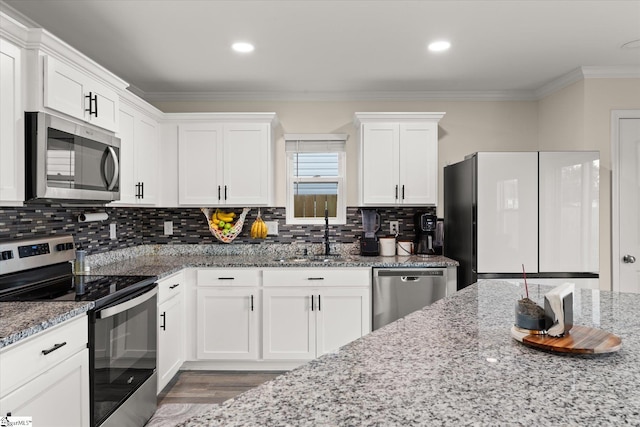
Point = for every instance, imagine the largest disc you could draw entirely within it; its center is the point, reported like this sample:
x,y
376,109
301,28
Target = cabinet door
x,y
11,125
380,159
106,107
288,324
146,159
127,156
170,339
199,159
419,164
227,323
246,164
507,212
58,398
343,315
65,88
569,211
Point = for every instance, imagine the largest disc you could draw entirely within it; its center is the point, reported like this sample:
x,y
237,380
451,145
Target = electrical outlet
x,y
112,231
272,228
394,227
168,228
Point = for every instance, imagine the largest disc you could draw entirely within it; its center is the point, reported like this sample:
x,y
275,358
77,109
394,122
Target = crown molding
x,y
342,96
588,72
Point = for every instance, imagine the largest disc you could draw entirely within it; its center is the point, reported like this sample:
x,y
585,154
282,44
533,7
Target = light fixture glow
x,y
439,46
242,47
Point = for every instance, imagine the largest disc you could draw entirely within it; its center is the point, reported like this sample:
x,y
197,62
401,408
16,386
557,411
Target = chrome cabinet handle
x,y
628,259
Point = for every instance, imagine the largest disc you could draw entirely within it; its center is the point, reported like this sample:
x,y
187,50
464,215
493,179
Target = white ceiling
x,y
181,48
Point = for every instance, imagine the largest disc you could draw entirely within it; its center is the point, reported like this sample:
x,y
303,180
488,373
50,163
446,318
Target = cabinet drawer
x,y
317,277
170,286
228,277
25,360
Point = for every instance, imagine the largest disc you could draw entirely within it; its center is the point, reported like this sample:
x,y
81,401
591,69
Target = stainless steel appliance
x,y
122,326
425,227
370,225
69,162
400,291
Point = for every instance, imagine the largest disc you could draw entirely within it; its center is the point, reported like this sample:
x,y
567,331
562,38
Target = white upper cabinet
x,y
226,162
11,125
139,142
398,158
507,212
70,91
569,211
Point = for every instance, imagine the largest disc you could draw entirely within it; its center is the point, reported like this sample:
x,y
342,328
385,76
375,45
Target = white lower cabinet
x,y
310,312
227,325
46,377
171,322
302,323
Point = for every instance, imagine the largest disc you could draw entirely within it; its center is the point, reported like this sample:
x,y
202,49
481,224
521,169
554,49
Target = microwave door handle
x,y
116,168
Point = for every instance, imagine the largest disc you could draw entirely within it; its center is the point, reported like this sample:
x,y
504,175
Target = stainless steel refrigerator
x,y
503,210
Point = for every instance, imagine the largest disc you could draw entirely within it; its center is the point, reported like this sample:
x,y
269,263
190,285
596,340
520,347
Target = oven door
x,y
124,357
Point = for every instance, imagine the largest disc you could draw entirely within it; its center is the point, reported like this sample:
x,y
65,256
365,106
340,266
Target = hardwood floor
x,y
211,386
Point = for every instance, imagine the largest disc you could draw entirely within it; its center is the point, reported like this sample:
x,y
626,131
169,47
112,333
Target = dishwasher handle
x,y
409,278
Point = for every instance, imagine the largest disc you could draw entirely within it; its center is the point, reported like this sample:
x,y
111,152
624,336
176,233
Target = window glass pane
x,y
315,164
310,199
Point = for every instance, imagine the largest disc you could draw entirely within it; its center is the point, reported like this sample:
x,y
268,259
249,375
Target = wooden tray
x,y
580,340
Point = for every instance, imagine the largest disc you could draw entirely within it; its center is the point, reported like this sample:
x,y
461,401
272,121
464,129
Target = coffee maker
x,y
369,240
425,226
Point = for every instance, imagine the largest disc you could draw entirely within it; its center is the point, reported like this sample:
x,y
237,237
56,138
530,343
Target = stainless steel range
x,y
122,326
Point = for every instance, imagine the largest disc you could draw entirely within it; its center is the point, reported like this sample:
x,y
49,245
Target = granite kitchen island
x,y
455,363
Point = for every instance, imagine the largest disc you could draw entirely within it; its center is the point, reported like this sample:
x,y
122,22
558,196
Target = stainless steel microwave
x,y
69,162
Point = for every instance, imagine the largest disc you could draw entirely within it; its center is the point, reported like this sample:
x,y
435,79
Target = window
x,y
315,178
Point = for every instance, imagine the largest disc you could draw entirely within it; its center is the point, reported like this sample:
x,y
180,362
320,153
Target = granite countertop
x,y
164,265
19,320
455,363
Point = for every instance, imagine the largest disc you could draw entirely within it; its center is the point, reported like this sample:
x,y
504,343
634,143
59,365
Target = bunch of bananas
x,y
259,228
222,221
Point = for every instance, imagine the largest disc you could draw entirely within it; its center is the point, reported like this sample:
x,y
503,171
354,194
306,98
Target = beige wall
x,y
578,117
467,127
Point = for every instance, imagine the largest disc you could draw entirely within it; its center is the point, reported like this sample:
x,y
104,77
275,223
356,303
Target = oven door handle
x,y
112,311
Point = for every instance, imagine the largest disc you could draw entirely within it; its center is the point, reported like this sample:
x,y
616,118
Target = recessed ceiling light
x,y
242,47
439,46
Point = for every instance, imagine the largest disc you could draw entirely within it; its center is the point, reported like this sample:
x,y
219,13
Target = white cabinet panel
x,y
343,315
199,152
228,320
569,211
398,158
380,163
288,325
139,144
58,397
71,91
507,212
224,164
419,164
11,125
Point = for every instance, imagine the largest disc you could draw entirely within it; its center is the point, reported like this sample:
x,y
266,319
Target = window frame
x,y
341,205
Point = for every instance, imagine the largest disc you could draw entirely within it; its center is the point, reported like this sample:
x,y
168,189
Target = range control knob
x,y
60,247
68,246
6,255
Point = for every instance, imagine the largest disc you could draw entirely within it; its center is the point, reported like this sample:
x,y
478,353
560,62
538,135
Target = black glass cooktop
x,y
100,289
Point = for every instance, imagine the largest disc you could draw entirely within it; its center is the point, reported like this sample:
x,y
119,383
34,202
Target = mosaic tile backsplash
x,y
143,226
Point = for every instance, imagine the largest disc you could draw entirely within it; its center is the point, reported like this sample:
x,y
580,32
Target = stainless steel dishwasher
x,y
400,291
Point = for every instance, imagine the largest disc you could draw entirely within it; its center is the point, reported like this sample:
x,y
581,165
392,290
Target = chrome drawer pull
x,y
54,348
